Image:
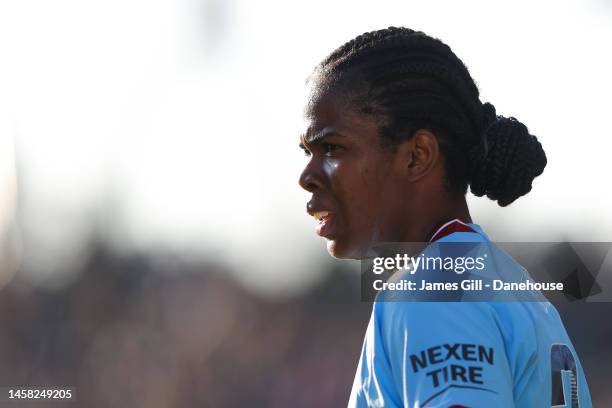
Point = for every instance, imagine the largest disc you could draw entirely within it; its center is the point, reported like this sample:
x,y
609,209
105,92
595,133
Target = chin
x,y
342,250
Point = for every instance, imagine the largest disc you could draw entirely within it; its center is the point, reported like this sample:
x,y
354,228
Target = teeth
x,y
319,215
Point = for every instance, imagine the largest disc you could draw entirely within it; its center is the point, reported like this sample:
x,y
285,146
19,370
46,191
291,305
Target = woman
x,y
395,134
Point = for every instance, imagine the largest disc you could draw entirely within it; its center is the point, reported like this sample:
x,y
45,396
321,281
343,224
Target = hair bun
x,y
505,165
488,114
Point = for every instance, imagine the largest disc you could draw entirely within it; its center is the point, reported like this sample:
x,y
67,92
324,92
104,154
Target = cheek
x,y
333,169
349,182
356,186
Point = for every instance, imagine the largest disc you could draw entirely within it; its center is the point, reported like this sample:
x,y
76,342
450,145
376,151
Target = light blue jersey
x,y
468,354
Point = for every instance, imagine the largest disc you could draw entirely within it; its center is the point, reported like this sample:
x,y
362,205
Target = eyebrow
x,y
316,138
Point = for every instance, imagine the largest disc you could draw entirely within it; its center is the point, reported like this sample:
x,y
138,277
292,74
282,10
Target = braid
x,y
515,159
408,80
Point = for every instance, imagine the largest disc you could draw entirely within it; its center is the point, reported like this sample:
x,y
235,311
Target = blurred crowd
x,y
139,332
159,331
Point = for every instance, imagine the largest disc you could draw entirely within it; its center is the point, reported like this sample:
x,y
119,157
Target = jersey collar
x,y
451,226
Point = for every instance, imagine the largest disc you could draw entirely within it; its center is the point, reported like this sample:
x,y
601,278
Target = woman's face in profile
x,y
348,173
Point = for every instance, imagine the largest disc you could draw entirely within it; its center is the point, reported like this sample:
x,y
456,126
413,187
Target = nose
x,y
310,179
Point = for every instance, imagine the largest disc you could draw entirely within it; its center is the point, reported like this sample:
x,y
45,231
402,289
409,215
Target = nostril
x,y
312,177
311,186
309,183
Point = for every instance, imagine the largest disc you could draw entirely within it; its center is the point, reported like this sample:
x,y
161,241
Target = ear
x,y
418,155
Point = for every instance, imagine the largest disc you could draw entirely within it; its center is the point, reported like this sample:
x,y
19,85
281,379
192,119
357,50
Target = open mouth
x,y
321,215
324,223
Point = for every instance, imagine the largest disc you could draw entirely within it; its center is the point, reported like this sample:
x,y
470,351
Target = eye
x,y
330,148
304,150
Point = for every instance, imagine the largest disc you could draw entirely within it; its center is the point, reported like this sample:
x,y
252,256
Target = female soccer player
x,y
395,134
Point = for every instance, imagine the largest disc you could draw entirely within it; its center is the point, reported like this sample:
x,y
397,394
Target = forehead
x,y
330,110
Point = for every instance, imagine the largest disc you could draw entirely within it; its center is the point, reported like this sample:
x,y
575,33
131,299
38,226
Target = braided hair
x,y
407,80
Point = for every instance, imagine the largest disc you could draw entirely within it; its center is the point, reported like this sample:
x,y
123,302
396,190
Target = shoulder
x,y
428,324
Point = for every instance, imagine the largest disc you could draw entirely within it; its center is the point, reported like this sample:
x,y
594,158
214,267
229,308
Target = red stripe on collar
x,y
450,227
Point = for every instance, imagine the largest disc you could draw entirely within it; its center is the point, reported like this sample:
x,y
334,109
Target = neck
x,y
432,217
458,210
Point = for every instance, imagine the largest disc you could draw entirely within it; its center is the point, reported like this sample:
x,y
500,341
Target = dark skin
x,y
368,193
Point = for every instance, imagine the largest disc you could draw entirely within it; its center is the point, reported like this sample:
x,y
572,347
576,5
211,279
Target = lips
x,y
325,220
324,226
321,215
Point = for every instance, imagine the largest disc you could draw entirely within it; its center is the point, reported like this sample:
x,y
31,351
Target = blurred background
x,y
155,250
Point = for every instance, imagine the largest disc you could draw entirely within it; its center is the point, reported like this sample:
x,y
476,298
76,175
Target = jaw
x,y
348,249
340,251
358,228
